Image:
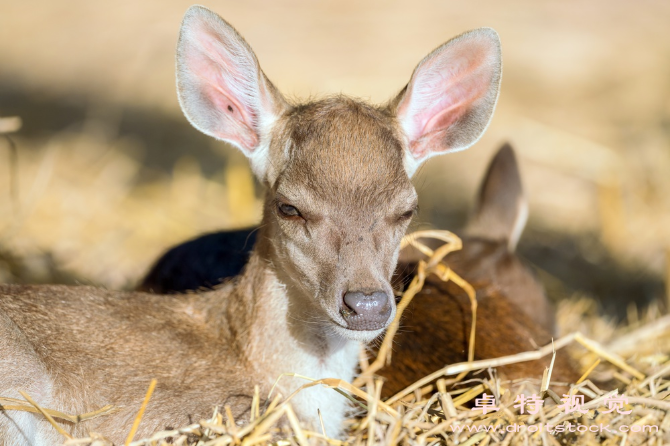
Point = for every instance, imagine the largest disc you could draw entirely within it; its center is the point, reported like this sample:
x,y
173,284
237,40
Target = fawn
x,y
514,314
338,202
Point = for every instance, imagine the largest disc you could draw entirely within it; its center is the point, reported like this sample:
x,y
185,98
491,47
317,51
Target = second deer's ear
x,y
221,87
502,210
451,96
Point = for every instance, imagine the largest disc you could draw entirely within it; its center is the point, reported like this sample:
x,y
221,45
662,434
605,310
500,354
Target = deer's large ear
x,y
221,87
502,209
450,98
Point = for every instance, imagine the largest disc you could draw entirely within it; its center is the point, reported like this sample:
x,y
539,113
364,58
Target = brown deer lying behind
x,y
338,202
514,314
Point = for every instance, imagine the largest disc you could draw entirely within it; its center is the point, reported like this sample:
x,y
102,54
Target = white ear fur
x,y
221,88
450,98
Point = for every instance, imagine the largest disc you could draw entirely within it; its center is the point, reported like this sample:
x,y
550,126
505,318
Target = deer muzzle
x,y
366,311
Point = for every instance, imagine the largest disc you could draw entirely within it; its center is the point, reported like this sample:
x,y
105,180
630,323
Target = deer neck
x,y
286,321
260,319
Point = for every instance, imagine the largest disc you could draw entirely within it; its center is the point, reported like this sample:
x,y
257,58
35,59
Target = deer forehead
x,y
341,150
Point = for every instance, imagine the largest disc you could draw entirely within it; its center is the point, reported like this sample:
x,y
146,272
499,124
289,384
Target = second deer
x,y
513,315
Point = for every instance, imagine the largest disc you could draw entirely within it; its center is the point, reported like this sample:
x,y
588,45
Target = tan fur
x,y
341,163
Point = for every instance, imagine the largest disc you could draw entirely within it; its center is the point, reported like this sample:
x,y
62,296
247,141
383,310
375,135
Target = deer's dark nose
x,y
366,310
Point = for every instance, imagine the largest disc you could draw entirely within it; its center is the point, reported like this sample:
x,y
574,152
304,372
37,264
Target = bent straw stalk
x,y
424,269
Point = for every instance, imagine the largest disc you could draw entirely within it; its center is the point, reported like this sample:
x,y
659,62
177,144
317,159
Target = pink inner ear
x,y
421,146
237,130
455,103
443,91
221,78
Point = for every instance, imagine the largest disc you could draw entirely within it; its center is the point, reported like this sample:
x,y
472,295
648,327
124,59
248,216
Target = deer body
x,y
338,202
187,347
108,369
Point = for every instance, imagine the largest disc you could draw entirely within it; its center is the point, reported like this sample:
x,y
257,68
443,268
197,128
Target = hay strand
x,y
10,124
46,415
424,268
14,404
143,407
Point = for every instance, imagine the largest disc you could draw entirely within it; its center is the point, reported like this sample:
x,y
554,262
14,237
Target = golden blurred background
x,y
109,173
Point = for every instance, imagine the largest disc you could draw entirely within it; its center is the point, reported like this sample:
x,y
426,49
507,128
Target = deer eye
x,y
287,211
407,215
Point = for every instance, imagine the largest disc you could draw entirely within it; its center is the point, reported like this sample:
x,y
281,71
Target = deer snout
x,y
365,311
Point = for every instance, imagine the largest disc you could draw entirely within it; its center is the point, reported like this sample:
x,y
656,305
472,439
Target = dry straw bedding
x,y
439,409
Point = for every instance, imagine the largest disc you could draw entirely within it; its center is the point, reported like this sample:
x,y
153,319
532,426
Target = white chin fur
x,y
358,335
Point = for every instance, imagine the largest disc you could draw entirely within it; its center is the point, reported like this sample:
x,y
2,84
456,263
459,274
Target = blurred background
x,y
109,173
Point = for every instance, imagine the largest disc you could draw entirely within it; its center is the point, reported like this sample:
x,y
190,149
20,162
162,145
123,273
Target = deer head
x,y
337,170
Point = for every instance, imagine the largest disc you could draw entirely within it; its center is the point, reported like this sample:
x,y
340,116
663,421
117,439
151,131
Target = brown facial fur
x,y
353,209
